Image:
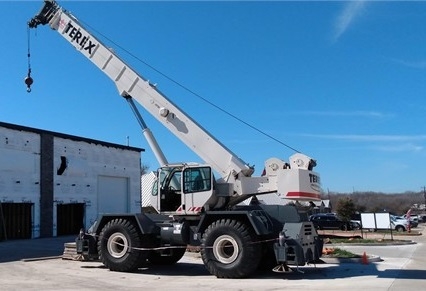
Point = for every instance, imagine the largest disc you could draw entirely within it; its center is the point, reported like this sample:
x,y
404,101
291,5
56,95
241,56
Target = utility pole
x,y
424,195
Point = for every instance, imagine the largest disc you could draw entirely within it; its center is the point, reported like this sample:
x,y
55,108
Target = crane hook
x,y
29,81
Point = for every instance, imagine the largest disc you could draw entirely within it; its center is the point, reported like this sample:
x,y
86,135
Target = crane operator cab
x,y
183,188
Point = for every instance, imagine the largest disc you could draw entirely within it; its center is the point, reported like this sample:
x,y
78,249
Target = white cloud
x,y
369,138
411,64
358,113
351,10
382,143
406,147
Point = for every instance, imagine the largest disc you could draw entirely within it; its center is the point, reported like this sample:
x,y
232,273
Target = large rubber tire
x,y
229,249
118,246
400,228
176,254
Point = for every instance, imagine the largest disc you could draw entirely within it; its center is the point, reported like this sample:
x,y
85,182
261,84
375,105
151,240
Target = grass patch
x,y
339,253
334,239
355,240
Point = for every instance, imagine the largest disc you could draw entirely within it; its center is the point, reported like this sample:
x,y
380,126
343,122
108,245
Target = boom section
x,y
130,83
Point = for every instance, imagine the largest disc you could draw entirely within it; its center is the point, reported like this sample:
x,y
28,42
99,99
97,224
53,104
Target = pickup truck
x,y
399,223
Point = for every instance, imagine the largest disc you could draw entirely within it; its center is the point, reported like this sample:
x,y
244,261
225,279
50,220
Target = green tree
x,y
345,208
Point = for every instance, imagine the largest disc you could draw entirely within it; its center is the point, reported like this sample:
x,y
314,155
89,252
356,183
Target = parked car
x,y
399,223
355,224
356,221
328,221
414,220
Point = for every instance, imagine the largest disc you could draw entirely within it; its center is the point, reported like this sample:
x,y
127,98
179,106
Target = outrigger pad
x,y
283,268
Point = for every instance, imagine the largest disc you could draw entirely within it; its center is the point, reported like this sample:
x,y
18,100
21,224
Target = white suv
x,y
399,223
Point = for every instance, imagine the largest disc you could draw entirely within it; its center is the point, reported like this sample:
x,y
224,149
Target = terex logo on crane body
x,y
314,178
83,41
315,182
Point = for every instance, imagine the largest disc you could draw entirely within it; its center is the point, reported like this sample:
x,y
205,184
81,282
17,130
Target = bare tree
x,y
396,203
144,169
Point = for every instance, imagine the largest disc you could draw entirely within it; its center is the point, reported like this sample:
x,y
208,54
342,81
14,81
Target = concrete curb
x,y
370,259
41,259
378,244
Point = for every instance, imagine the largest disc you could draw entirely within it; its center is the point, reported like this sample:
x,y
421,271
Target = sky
x,y
342,82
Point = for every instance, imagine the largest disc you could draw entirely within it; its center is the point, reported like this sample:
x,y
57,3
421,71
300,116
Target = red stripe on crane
x,y
303,195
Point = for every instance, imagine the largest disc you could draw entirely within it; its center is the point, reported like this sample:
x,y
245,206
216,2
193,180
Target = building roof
x,y
70,137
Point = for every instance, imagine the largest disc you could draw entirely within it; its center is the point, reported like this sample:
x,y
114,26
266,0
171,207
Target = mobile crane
x,y
195,208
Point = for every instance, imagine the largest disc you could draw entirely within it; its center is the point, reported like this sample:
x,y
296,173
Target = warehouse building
x,y
53,184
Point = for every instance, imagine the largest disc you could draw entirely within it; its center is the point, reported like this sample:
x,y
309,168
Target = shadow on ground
x,y
16,250
325,271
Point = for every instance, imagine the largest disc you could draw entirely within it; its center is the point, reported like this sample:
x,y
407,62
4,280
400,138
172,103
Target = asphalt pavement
x,y
37,265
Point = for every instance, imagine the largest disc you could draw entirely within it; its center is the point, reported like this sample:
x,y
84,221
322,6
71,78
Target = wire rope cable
x,y
186,88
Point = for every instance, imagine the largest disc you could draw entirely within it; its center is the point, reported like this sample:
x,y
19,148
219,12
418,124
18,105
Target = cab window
x,y
169,179
197,179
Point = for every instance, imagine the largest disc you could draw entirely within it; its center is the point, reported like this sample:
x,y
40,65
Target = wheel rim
x,y
117,245
225,249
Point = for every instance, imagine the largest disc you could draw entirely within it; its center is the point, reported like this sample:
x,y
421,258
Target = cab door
x,y
167,188
197,188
